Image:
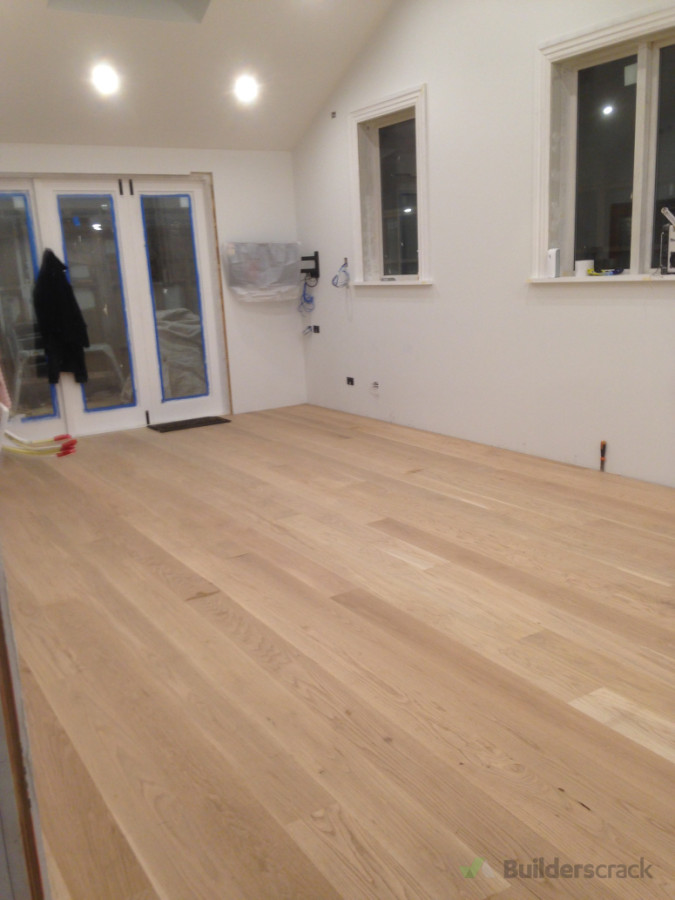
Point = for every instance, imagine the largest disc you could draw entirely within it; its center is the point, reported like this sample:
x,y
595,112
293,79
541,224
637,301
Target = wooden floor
x,y
311,655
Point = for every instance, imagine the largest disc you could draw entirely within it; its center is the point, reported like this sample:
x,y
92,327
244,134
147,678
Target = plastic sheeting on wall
x,y
259,272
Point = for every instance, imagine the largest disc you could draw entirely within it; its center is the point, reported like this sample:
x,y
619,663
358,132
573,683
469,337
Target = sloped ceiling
x,y
177,70
162,10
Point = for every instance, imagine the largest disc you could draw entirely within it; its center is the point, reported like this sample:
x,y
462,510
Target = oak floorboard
x,y
57,885
645,494
188,813
629,718
380,681
95,858
423,815
316,656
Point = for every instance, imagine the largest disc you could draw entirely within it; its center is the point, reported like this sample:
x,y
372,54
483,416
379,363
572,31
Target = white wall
x,y
549,370
254,202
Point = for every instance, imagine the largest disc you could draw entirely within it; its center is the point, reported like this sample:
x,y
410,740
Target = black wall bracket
x,y
312,272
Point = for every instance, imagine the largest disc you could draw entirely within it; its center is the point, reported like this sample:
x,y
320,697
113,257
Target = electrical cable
x,y
307,300
61,445
341,279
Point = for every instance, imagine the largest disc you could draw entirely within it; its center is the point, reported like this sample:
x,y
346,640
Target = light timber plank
x,y
498,767
359,867
631,719
57,885
95,858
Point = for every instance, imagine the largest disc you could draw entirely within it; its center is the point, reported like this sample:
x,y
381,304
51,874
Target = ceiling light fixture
x,y
607,110
246,88
105,79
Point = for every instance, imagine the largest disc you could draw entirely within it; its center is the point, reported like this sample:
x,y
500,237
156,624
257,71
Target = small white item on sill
x,y
553,263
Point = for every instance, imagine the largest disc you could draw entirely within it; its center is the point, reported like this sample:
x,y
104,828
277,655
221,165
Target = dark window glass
x,y
605,156
398,174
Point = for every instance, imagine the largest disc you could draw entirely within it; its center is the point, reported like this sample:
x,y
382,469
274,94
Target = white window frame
x,y
367,266
558,63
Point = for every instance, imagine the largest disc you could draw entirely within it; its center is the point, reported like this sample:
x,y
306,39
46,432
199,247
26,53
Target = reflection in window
x,y
91,254
605,155
174,281
20,344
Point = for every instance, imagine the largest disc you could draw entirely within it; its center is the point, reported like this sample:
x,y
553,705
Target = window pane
x,y
90,240
20,344
175,292
398,174
605,154
665,149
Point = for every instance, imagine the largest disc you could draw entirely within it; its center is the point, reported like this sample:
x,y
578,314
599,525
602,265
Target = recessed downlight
x,y
105,79
246,89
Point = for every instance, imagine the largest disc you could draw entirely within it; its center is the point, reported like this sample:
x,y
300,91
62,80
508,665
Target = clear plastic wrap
x,y
179,334
263,272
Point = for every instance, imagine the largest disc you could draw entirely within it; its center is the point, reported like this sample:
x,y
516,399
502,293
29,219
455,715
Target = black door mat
x,y
189,423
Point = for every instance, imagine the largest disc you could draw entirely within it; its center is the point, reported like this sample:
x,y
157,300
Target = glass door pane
x,y
176,295
92,256
23,359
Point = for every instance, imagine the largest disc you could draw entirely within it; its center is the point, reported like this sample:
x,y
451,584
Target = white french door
x,y
141,258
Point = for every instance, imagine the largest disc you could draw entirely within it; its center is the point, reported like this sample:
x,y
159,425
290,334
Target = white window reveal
x,y
607,148
389,187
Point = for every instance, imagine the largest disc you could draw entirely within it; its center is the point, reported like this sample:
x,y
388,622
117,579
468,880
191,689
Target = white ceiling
x,y
164,10
177,71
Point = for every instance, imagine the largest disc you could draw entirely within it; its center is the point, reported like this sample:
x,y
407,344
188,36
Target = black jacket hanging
x,y
60,320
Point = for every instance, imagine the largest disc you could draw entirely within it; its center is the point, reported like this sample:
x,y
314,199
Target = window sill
x,y
381,284
600,279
